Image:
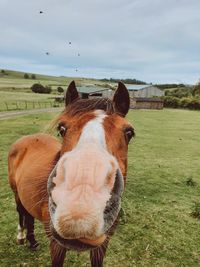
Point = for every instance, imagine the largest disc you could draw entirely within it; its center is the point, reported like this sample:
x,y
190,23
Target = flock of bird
x,y
69,43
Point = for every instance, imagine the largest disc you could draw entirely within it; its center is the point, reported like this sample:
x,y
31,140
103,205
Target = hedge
x,y
185,102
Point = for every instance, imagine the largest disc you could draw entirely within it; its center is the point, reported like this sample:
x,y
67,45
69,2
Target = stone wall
x,y
146,103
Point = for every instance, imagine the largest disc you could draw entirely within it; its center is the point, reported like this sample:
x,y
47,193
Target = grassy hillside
x,y
163,186
15,81
15,92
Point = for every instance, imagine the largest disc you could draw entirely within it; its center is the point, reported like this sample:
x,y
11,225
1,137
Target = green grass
x,y
14,81
10,101
157,228
23,100
15,90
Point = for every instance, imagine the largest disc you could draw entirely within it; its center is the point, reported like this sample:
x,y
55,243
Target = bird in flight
x,y
78,55
70,43
47,53
41,12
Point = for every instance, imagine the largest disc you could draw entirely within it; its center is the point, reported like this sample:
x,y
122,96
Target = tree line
x,y
29,76
127,81
186,97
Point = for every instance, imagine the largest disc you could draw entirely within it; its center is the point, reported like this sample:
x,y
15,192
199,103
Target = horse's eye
x,y
62,129
129,133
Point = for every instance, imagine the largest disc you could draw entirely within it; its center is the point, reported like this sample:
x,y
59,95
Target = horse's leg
x,y
29,222
97,255
26,222
21,237
57,254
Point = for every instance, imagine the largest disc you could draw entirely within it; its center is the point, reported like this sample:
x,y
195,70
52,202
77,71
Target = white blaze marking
x,y
93,131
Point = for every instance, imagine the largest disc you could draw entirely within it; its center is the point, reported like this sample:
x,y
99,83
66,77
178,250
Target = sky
x,y
154,41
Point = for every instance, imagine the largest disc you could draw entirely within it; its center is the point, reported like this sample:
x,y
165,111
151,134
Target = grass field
x,y
15,92
157,228
14,81
23,100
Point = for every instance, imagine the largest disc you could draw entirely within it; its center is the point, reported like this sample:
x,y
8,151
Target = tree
x,y
40,89
60,90
26,76
179,92
33,76
3,71
47,89
37,88
196,90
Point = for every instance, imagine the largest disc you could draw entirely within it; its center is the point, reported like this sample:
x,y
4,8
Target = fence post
x,y
6,105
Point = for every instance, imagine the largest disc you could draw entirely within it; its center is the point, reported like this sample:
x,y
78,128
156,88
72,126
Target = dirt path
x,y
13,114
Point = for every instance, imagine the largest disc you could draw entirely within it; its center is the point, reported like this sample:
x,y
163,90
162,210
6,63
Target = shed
x,y
91,92
145,96
144,90
146,103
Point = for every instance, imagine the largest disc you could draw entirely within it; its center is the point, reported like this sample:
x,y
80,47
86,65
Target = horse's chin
x,y
78,244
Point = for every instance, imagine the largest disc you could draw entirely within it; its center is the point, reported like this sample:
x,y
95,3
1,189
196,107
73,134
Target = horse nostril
x,y
53,204
53,185
50,183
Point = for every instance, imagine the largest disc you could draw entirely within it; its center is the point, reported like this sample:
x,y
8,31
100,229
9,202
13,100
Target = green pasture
x,y
163,185
14,81
16,94
17,101
24,85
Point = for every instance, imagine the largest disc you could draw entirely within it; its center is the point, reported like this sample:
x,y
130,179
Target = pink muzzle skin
x,y
83,185
85,189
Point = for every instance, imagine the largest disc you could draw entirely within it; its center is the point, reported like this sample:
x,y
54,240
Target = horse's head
x,y
86,185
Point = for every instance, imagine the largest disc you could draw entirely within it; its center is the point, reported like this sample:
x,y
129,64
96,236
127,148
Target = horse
x,y
74,186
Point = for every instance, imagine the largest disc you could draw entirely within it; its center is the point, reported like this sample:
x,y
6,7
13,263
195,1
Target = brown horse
x,y
74,188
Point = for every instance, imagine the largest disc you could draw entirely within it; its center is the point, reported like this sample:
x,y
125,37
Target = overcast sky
x,y
152,40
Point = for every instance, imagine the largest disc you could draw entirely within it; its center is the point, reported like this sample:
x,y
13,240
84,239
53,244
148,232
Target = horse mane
x,y
80,106
86,105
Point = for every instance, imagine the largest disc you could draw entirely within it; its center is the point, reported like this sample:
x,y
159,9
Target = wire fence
x,y
23,105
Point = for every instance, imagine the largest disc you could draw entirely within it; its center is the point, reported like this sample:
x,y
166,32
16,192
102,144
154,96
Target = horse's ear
x,y
71,93
121,100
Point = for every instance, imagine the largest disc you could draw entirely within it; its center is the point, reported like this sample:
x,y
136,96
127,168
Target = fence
x,y
23,105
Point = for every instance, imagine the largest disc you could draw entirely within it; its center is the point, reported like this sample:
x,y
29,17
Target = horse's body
x,y
31,151
74,188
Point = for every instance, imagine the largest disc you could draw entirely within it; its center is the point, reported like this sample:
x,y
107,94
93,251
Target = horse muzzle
x,y
81,240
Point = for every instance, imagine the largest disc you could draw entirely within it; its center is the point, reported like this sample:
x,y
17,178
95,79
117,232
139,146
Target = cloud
x,y
156,41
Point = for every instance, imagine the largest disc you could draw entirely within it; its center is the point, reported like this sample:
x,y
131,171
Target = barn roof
x,y
133,87
89,90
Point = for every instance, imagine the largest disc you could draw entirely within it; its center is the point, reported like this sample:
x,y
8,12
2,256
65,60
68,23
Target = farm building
x,y
142,96
145,96
144,90
90,92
